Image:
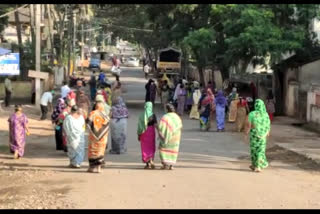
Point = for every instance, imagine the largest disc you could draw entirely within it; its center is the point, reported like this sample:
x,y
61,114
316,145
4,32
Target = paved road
x,y
211,172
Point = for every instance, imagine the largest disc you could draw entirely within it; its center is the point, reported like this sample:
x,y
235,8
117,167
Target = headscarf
x,y
260,119
209,98
58,109
220,99
119,109
144,117
100,98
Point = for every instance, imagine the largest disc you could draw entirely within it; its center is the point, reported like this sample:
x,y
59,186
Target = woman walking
x,y
18,129
233,105
119,115
151,91
55,120
206,110
242,109
181,99
116,89
194,114
62,116
74,128
165,90
98,124
83,102
221,103
271,105
170,127
147,135
107,108
259,128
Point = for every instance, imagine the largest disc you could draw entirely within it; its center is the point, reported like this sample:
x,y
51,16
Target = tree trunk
x,y
201,75
18,27
278,89
50,27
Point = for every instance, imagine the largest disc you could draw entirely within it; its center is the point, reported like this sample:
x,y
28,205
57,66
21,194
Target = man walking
x,y
65,89
8,91
45,102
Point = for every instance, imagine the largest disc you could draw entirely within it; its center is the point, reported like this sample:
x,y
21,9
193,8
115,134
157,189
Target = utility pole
x,y
74,41
82,48
69,43
38,53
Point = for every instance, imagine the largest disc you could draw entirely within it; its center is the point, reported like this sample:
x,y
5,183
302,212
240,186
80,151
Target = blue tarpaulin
x,y
4,51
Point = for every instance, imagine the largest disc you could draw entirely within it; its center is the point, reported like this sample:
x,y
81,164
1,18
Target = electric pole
x,y
38,52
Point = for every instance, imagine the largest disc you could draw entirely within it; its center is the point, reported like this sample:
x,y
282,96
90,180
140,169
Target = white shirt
x,y
64,91
146,69
46,98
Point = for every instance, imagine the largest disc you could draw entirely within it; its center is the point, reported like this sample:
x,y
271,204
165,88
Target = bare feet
x,y
252,167
16,155
170,167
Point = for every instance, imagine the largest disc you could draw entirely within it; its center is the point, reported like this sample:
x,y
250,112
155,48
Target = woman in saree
x,y
98,124
221,103
116,89
74,128
259,129
181,99
55,120
107,108
165,90
147,135
206,110
242,109
83,102
18,129
170,127
119,115
194,114
59,123
233,105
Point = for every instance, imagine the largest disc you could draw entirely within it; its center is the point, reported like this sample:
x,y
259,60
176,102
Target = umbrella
x,y
4,51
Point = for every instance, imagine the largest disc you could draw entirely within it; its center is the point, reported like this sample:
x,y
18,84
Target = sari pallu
x,y
74,130
17,133
98,124
170,127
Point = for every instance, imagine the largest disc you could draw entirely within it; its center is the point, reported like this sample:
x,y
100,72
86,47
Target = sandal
x,y
252,167
170,167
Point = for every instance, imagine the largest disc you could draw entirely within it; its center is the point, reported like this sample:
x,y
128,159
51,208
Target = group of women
x,y
72,114
70,121
169,132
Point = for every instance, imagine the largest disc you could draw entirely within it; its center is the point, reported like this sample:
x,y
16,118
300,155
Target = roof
x,y
168,49
301,59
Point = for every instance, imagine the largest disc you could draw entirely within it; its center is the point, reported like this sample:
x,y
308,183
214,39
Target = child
x,y
270,105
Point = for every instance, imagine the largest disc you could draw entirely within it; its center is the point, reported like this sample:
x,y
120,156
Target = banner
x,y
9,64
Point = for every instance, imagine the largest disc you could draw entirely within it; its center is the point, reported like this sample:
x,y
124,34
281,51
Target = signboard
x,y
38,74
171,65
9,64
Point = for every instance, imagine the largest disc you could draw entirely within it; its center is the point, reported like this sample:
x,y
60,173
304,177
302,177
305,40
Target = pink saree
x,y
148,144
